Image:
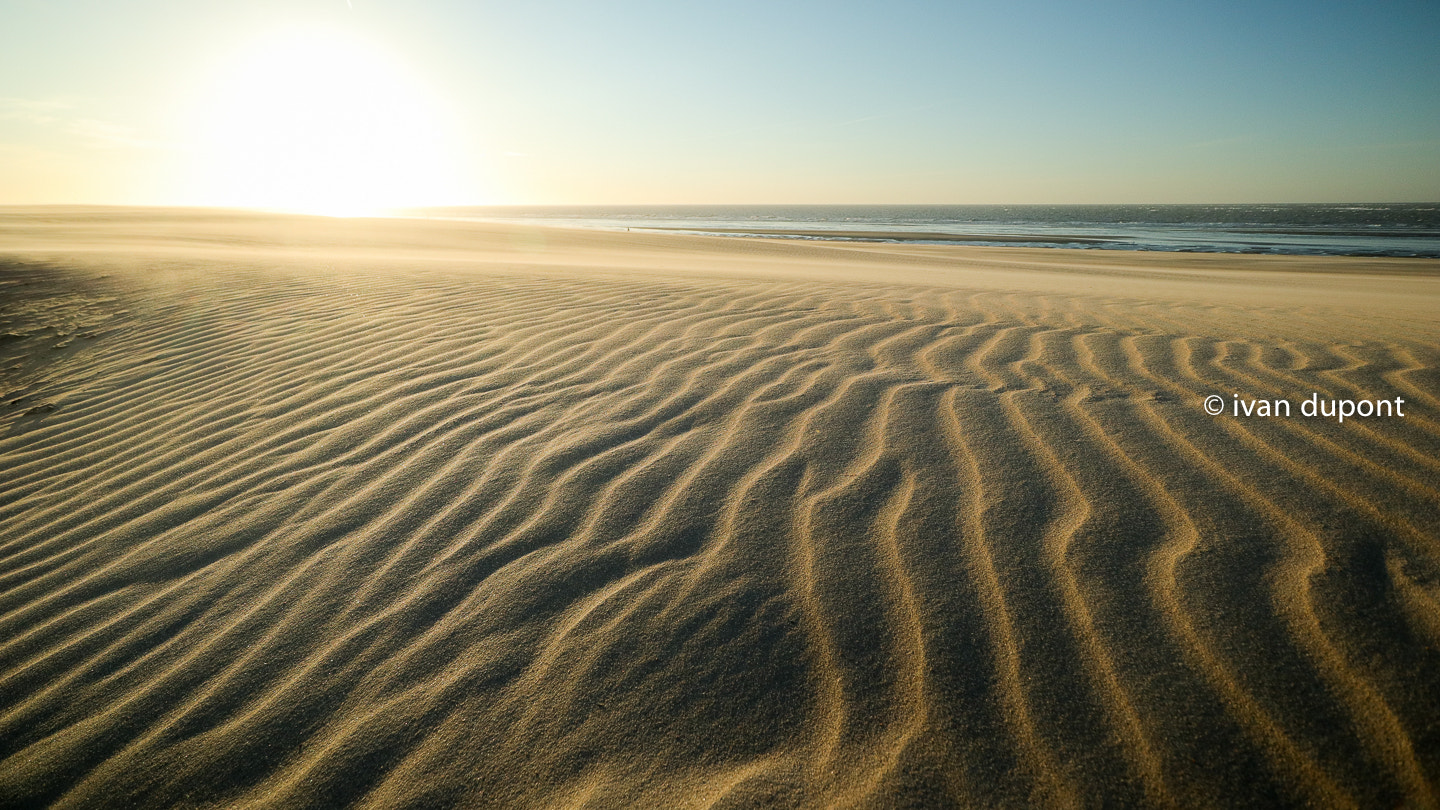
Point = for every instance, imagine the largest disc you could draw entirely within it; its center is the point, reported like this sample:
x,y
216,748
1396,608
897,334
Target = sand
x,y
312,512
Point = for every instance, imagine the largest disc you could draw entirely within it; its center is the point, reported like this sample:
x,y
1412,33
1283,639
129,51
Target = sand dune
x,y
316,512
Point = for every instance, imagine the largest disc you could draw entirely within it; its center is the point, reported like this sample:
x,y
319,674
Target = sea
x,y
1340,229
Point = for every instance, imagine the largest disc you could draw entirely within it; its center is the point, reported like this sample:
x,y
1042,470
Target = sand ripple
x,y
508,538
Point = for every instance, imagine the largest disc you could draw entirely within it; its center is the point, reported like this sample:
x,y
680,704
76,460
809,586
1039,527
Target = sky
x,y
345,107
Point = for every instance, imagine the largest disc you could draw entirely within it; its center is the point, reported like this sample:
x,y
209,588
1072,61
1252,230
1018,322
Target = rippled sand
x,y
315,512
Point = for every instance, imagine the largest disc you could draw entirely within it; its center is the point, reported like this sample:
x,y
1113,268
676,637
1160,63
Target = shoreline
x,y
1059,241
890,236
1409,230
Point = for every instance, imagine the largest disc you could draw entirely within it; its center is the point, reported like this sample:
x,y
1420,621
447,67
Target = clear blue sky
x,y
556,101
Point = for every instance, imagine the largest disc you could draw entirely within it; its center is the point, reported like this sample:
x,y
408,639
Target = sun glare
x,y
321,122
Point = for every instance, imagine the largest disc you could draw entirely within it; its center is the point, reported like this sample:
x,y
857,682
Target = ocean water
x,y
1352,229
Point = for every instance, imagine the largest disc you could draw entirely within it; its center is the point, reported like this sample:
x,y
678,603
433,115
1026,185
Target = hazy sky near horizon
x,y
316,103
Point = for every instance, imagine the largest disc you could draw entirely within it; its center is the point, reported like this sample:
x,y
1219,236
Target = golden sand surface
x,y
392,513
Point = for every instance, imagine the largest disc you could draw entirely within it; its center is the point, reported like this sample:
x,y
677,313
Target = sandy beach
x,y
303,512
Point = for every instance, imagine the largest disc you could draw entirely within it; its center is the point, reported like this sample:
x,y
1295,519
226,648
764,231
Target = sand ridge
x,y
396,513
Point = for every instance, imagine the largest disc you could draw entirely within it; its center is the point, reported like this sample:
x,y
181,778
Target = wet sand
x,y
905,236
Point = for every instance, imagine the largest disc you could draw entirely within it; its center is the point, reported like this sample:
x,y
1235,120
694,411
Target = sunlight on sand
x,y
307,512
